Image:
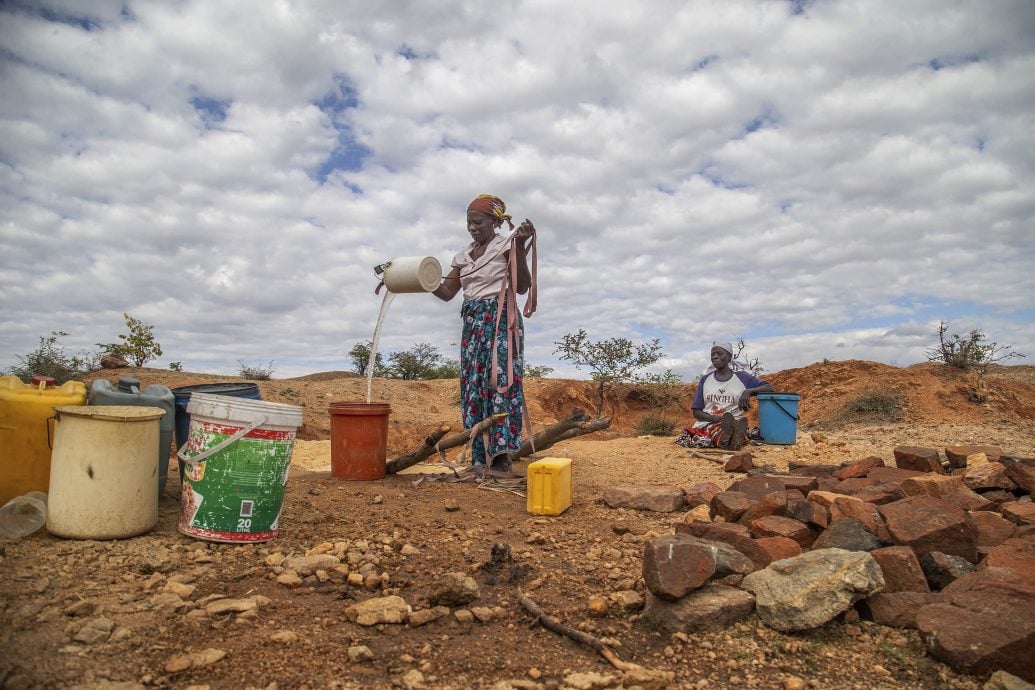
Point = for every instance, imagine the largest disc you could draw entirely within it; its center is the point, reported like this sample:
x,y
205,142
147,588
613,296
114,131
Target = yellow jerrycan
x,y
27,430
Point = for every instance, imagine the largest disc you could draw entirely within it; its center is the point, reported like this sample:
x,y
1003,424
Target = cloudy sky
x,y
824,179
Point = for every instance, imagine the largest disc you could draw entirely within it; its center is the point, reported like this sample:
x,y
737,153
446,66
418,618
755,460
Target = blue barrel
x,y
128,392
183,393
778,417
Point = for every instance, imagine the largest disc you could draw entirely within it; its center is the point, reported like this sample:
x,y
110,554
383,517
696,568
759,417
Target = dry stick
x,y
418,454
556,626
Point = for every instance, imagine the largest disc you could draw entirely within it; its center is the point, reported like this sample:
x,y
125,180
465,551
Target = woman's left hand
x,y
745,400
525,230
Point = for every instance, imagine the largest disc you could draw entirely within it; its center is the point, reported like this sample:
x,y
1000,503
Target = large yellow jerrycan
x,y
26,430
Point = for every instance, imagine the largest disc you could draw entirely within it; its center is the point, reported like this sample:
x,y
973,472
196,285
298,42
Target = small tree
x,y
52,359
537,371
360,355
448,369
612,361
139,346
417,363
968,352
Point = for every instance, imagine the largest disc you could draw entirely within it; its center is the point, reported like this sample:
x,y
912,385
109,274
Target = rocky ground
x,y
167,610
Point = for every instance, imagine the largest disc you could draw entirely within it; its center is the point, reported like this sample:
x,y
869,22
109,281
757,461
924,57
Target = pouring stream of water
x,y
389,296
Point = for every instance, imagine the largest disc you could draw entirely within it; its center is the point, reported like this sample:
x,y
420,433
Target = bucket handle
x,y
194,460
784,410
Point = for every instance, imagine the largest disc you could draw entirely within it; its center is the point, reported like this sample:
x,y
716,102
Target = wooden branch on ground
x,y
556,626
558,433
548,436
425,451
418,454
577,424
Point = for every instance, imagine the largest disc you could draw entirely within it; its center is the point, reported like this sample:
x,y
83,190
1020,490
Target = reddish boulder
x,y
735,535
730,505
881,493
957,455
891,474
899,609
859,468
927,525
1018,512
901,568
701,494
991,528
919,459
947,488
991,475
777,526
779,548
757,486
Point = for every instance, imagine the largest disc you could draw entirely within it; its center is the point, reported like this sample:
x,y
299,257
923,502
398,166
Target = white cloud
x,y
828,184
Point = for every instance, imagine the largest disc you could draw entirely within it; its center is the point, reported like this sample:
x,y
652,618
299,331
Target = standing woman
x,y
491,270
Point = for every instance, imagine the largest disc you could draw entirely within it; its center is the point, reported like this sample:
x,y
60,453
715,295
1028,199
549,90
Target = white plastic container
x,y
23,515
104,471
413,274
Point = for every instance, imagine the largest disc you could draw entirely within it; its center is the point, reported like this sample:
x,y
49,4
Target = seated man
x,y
719,403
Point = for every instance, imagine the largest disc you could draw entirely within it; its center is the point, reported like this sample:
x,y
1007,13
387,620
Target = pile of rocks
x,y
943,546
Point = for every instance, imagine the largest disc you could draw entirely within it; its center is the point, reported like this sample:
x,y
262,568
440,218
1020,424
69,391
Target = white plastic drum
x,y
413,274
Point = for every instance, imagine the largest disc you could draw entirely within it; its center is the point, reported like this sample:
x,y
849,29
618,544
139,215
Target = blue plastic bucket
x,y
183,393
778,417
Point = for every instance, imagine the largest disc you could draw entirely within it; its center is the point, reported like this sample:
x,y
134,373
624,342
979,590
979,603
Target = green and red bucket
x,y
236,461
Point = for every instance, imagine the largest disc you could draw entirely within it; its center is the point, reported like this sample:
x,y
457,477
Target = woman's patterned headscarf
x,y
491,206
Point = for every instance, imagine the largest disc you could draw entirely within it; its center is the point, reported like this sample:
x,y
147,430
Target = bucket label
x,y
236,494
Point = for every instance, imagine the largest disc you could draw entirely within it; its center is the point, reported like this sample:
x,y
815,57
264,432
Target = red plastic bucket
x,y
359,439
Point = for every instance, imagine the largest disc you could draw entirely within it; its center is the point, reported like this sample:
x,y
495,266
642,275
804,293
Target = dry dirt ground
x,y
138,612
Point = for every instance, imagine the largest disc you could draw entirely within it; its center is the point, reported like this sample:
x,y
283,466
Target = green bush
x,y
972,350
257,372
875,405
52,359
654,425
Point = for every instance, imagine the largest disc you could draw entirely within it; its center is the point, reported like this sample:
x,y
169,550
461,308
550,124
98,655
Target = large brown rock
x,y
659,499
992,529
991,475
709,609
1022,473
880,494
947,488
957,455
1017,555
918,459
1019,513
899,609
859,468
928,524
757,486
701,494
808,512
770,504
778,526
850,507
891,474
675,565
730,505
989,625
735,535
779,548
901,569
